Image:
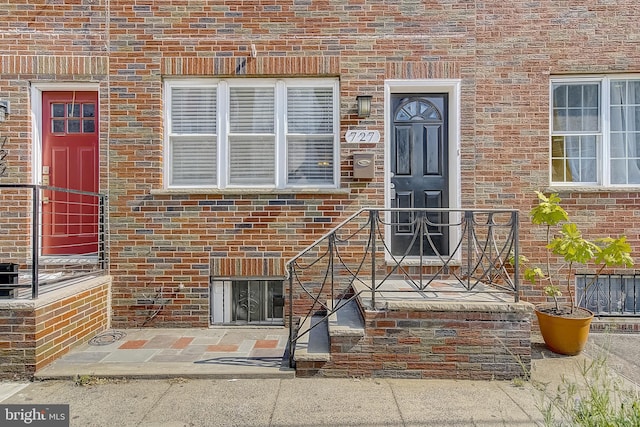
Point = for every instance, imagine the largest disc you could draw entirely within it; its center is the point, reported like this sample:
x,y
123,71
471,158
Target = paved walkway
x,y
232,377
161,353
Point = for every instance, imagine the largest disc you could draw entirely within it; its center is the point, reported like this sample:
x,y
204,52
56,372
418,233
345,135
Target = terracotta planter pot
x,y
565,335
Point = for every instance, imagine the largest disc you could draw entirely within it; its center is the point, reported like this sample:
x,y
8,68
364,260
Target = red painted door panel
x,y
70,161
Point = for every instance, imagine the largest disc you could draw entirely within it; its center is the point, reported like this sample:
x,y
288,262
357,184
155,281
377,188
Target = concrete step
x,y
347,320
313,346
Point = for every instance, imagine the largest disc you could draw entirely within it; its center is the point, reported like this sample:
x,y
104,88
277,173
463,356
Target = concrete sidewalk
x,y
245,400
188,353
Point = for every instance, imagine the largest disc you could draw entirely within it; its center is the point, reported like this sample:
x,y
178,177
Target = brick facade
x,y
433,340
36,332
166,240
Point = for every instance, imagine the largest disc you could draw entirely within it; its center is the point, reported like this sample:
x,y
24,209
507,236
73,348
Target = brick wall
x,y
440,340
504,57
36,332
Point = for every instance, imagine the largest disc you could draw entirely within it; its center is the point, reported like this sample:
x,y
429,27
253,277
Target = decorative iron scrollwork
x,y
3,157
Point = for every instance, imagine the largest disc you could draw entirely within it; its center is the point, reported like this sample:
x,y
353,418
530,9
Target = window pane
x,y
617,119
625,125
590,98
618,93
88,126
73,110
634,92
57,110
576,107
73,126
252,160
57,126
193,110
588,171
558,170
193,161
309,110
574,96
251,110
310,160
633,169
618,171
588,146
574,158
618,146
560,120
591,120
88,110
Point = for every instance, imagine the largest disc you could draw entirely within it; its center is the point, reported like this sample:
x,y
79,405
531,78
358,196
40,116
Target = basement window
x,y
242,302
610,294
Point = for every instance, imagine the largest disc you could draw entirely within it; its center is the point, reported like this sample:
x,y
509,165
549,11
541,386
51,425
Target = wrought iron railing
x,y
609,294
49,237
468,249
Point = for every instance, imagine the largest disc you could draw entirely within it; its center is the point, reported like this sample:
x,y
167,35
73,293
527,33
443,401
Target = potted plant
x,y
565,327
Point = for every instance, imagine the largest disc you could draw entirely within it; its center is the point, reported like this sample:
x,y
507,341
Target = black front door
x,y
419,166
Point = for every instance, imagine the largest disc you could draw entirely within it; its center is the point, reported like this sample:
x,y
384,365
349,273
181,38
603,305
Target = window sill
x,y
590,189
250,191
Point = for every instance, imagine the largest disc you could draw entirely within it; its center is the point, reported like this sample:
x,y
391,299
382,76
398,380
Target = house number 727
x,y
362,136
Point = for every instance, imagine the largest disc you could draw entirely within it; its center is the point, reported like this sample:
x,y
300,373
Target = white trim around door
x,y
452,88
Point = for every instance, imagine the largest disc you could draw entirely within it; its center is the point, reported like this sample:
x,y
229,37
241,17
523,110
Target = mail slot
x,y
363,165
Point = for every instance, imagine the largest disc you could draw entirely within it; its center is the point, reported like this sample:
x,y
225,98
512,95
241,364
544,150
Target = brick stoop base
x,y
452,340
36,332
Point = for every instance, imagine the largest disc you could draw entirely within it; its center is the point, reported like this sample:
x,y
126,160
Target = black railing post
x,y
423,229
468,218
372,236
102,232
291,348
516,254
332,252
35,247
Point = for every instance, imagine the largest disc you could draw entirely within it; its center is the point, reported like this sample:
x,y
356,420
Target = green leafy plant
x,y
596,397
572,248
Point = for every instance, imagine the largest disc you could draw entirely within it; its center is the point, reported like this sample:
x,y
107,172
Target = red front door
x,y
70,161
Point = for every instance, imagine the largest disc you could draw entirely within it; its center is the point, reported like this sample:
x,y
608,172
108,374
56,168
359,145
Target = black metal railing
x,y
470,249
609,294
49,236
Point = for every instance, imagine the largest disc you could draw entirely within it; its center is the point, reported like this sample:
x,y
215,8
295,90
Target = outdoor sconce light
x,y
4,110
364,105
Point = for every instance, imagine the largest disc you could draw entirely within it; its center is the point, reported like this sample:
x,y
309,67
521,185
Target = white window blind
x,y
276,133
193,110
193,136
252,136
310,139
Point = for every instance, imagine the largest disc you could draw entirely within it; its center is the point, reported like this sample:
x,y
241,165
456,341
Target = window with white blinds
x,y
238,133
192,136
309,135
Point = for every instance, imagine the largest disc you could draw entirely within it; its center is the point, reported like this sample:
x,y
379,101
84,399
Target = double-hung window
x,y
595,131
252,133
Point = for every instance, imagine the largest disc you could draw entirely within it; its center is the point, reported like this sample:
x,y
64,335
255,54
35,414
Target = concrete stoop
x,y
429,339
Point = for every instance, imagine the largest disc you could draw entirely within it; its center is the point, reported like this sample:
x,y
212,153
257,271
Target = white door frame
x,y
452,88
36,118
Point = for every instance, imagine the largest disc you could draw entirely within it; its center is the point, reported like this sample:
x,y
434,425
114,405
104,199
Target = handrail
x,y
23,242
356,257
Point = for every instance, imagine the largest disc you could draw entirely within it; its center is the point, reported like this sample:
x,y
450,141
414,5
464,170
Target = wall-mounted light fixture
x,y
364,105
4,110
